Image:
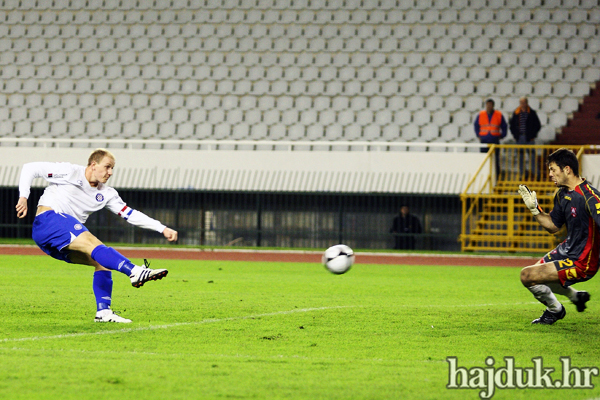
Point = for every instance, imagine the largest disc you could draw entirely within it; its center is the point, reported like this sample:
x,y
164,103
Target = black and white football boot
x,y
549,317
140,275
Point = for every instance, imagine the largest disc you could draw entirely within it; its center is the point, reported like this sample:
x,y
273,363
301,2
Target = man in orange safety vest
x,y
490,127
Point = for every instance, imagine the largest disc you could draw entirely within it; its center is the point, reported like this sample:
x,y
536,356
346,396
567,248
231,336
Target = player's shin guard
x,y
103,285
544,295
112,259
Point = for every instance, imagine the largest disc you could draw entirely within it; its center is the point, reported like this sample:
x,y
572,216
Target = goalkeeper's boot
x,y
582,298
109,316
140,275
549,317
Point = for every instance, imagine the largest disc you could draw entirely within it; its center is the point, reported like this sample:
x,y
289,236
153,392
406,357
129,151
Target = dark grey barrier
x,y
296,220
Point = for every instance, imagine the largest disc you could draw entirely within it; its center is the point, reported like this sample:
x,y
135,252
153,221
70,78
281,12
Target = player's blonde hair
x,y
98,155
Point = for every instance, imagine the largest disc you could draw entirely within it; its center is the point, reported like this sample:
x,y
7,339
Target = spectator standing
x,y
490,126
404,226
524,126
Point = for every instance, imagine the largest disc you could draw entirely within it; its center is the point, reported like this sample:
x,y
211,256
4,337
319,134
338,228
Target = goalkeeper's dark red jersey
x,y
579,209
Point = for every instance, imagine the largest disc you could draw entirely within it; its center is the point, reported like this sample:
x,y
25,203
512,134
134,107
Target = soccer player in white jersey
x,y
75,192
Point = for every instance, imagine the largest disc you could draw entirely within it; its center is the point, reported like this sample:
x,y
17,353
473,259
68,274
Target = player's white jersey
x,y
70,193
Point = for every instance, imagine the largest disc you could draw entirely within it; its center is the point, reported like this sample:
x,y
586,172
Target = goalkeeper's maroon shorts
x,y
570,271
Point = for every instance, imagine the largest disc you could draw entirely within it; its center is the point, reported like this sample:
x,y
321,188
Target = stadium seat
x,y
429,132
277,132
465,88
402,117
427,88
497,74
580,89
550,104
439,74
542,89
504,88
462,118
449,133
410,132
453,103
446,88
591,74
441,118
421,117
561,89
240,131
569,105
371,58
434,103
557,119
352,132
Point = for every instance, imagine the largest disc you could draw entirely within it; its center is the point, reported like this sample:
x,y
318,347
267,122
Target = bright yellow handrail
x,y
495,220
487,157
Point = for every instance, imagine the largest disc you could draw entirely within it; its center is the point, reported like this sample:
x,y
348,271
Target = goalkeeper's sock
x,y
103,285
544,295
112,259
565,291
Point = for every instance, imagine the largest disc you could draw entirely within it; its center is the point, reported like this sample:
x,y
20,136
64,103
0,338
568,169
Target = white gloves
x,y
530,199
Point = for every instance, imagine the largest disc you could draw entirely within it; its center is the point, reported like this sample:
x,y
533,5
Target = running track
x,y
300,256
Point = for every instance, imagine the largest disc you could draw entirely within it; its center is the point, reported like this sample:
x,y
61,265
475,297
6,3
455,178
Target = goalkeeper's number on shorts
x,y
530,200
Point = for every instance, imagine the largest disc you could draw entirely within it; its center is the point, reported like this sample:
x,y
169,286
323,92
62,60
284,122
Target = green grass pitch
x,y
248,330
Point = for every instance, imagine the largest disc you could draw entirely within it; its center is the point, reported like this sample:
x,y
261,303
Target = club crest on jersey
x,y
99,197
78,227
573,212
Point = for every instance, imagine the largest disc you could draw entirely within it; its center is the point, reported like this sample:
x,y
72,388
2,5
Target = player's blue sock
x,y
103,285
112,259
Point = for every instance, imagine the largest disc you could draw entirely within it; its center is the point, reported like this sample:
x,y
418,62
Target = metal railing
x,y
493,216
251,219
226,144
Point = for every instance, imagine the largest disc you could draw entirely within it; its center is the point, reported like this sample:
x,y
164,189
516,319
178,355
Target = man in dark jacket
x,y
524,126
404,227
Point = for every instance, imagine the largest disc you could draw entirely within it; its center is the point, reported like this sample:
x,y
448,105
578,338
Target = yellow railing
x,y
493,215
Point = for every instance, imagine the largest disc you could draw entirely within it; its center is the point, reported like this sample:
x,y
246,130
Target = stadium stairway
x,y
583,128
505,224
497,220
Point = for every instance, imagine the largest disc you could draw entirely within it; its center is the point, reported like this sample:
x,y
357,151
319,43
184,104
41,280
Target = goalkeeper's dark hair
x,y
565,157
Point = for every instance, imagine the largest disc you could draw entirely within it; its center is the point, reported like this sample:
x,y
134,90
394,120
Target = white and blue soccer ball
x,y
338,259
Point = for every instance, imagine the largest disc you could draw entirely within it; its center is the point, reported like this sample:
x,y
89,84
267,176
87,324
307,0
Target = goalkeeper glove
x,y
530,200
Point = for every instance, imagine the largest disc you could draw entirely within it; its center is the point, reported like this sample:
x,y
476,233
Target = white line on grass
x,y
213,320
479,305
167,326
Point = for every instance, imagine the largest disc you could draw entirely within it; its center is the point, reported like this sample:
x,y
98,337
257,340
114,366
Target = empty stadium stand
x,y
583,128
374,70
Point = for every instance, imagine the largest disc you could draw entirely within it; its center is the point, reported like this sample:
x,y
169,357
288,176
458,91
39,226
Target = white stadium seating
x,y
283,70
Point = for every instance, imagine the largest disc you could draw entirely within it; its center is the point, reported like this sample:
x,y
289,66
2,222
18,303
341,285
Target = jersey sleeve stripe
x,y
592,192
125,212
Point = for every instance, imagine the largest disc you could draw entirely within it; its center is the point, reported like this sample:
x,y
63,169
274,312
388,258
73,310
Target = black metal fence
x,y
313,220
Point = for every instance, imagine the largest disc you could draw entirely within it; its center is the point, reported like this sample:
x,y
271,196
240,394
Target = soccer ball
x,y
338,259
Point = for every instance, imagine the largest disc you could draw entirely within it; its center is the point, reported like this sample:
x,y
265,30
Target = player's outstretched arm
x,y
21,207
530,200
170,234
546,222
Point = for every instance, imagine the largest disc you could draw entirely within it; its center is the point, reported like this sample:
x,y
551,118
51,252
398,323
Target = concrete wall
x,y
373,171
